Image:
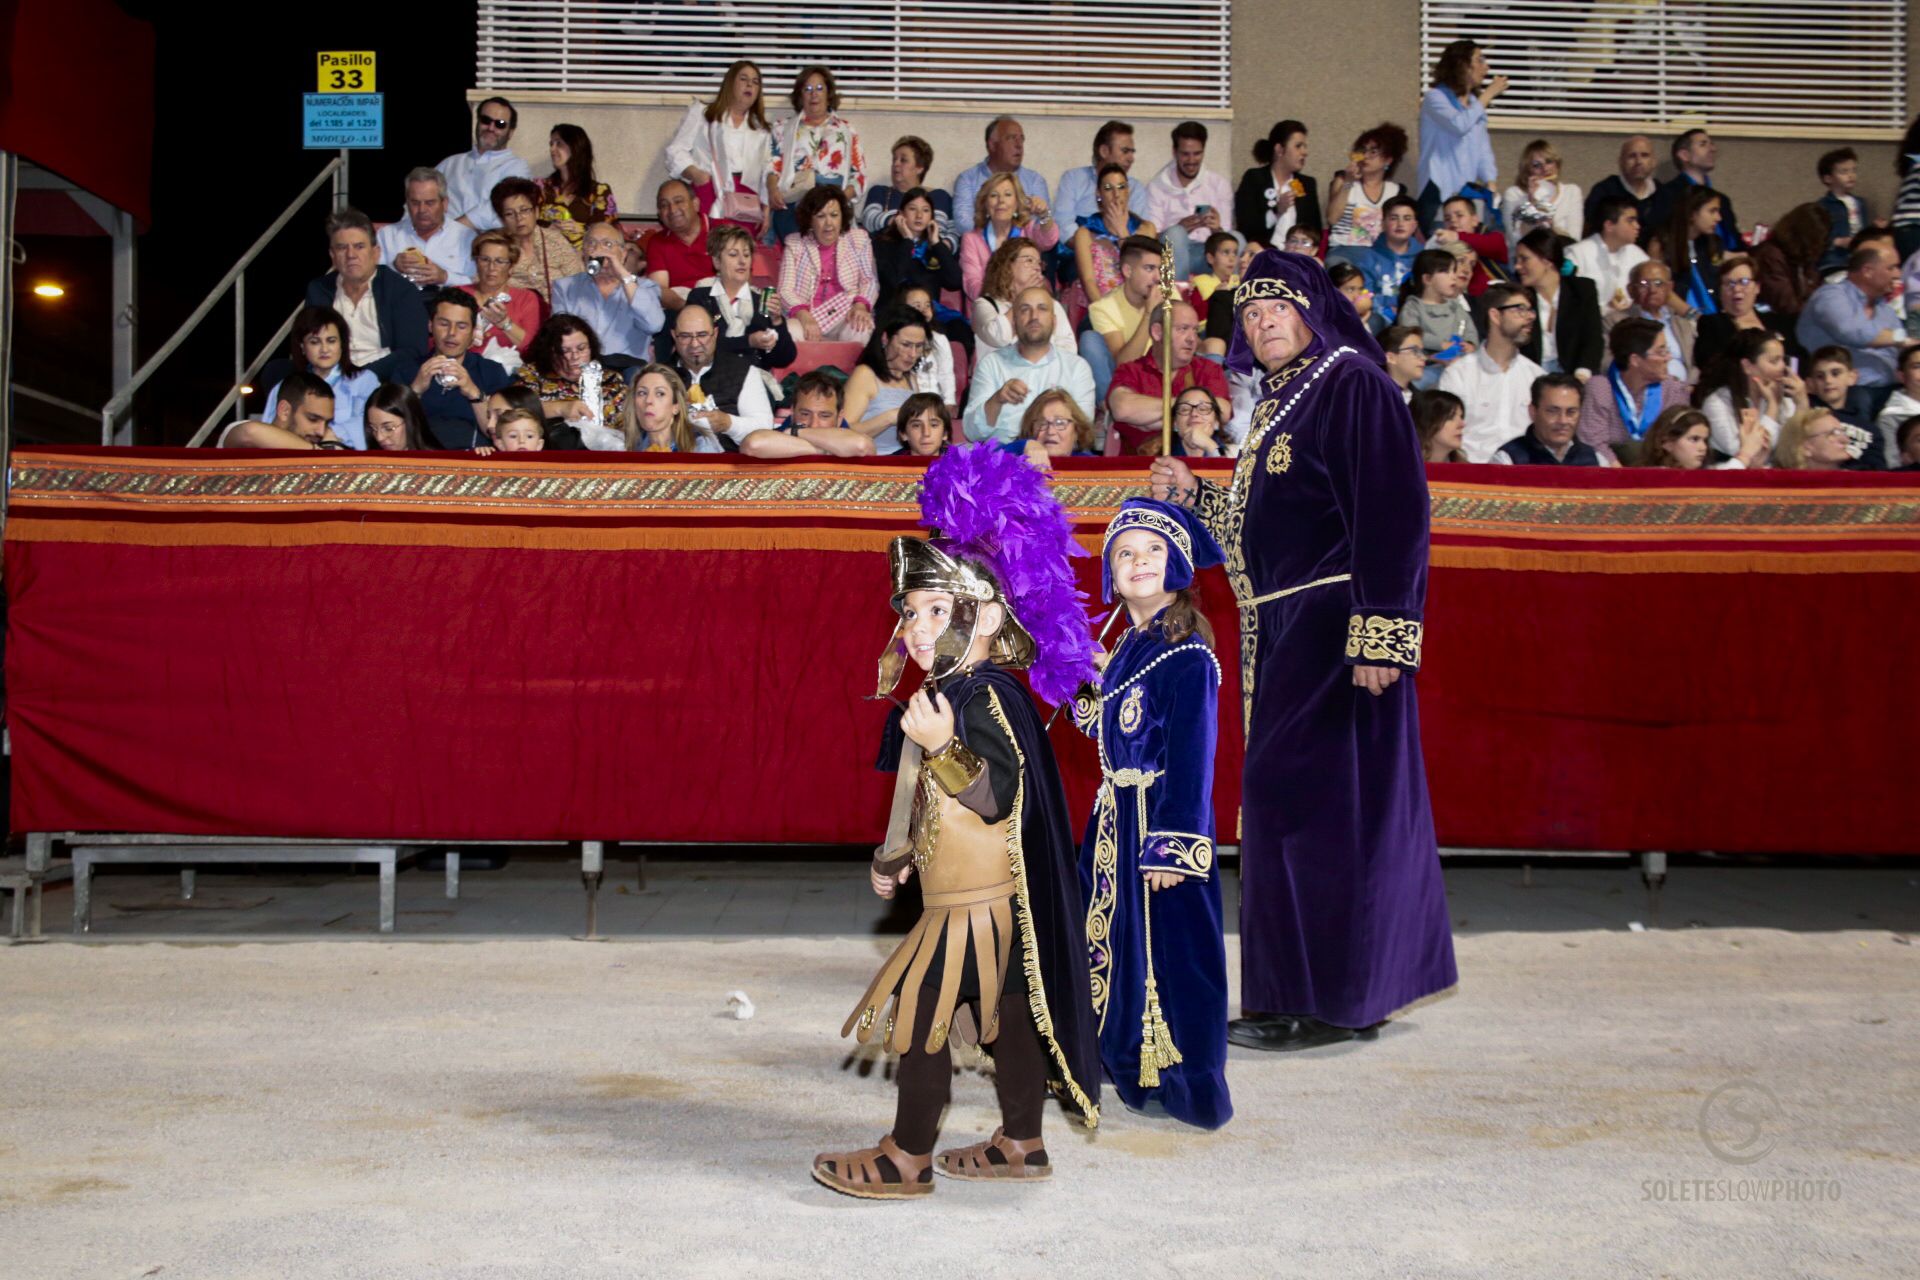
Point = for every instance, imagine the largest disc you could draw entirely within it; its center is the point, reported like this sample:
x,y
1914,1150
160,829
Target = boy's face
x,y
1461,216
1910,375
924,616
1843,176
520,436
1297,242
1400,225
1830,380
1224,262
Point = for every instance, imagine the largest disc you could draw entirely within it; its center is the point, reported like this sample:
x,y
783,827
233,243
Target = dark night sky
x,y
227,158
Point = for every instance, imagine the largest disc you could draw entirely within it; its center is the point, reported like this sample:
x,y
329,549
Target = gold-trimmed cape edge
x,y
1023,912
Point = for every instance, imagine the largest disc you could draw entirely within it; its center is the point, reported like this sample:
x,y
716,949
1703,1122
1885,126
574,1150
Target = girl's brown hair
x,y
998,283
1672,423
1183,619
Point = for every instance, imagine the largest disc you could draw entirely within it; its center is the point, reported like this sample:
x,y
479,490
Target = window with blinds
x,y
1172,54
1804,68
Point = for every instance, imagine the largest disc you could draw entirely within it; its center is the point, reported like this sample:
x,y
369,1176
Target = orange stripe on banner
x,y
1449,557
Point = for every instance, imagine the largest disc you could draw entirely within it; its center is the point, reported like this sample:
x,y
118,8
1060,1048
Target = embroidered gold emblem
x,y
1130,710
1280,456
1379,639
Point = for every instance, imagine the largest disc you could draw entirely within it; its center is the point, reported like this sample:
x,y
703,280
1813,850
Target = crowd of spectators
x,y
790,301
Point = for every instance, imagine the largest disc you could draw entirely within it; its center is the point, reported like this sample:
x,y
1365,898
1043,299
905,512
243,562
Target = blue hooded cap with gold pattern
x,y
1302,281
1190,548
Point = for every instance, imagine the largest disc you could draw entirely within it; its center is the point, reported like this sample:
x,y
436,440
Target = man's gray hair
x,y
348,219
427,173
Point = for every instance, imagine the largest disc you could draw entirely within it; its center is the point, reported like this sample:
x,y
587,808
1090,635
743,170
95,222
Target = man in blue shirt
x,y
1694,154
1006,148
622,309
1854,313
1078,194
453,383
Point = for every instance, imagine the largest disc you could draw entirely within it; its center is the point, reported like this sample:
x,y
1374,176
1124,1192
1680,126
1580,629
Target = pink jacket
x,y
800,269
974,254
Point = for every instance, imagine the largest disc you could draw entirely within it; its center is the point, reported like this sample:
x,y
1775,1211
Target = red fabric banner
x,y
436,647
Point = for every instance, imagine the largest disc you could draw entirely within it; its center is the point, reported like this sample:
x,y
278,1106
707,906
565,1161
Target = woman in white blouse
x,y
1015,267
1538,198
725,149
1751,373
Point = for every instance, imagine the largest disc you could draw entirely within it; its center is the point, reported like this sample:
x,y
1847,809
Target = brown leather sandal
x,y
972,1164
858,1173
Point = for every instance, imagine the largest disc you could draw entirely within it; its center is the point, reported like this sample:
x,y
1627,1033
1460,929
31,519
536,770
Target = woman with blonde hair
x,y
1538,198
1001,212
657,420
509,313
1812,440
724,147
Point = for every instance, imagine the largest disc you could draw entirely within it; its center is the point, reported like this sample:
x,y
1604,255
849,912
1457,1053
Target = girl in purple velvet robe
x,y
1343,917
1154,940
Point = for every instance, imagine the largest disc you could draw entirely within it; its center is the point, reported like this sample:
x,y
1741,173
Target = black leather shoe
x,y
1285,1032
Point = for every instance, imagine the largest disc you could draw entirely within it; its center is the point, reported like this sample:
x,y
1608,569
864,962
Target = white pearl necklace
x,y
1141,673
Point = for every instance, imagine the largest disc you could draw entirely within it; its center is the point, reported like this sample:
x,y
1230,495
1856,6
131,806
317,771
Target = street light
x,y
48,289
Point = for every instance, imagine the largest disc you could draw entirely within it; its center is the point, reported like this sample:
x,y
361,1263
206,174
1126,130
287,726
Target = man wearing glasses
x,y
1650,286
1495,383
471,175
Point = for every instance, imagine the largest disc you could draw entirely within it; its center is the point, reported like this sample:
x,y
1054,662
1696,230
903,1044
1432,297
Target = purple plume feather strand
x,y
995,507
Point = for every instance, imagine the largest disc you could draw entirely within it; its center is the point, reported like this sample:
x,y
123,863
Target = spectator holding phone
x,y
1188,201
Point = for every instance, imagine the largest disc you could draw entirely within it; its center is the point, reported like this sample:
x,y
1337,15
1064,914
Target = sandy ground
x,y
549,1109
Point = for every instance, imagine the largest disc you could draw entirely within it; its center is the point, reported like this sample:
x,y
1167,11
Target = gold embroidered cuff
x,y
1213,506
1179,852
954,768
1394,641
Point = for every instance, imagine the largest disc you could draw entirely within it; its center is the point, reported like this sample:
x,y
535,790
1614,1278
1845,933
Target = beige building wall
x,y
630,135
1341,78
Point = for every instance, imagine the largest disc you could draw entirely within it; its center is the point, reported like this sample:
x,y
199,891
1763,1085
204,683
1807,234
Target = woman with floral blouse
x,y
815,146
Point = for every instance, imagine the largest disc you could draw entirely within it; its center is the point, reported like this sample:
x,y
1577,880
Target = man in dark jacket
x,y
1552,415
386,319
453,383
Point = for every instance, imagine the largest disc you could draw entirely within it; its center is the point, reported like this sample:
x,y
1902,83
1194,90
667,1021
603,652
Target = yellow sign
x,y
346,73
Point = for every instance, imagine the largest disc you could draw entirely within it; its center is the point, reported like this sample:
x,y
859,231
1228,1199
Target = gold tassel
x,y
1157,1050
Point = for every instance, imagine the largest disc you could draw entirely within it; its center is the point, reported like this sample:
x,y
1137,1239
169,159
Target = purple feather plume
x,y
995,507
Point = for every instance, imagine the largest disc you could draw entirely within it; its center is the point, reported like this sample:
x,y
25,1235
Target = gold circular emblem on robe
x,y
1130,710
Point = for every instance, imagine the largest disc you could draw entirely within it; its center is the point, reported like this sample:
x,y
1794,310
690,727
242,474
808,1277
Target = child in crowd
x,y
1903,403
1833,384
1430,301
1390,260
518,431
1348,279
1154,939
1462,224
1298,241
935,373
1846,213
925,425
1907,438
1406,354
1222,274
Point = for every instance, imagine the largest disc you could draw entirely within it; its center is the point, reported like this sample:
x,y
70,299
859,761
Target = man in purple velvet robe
x,y
1343,915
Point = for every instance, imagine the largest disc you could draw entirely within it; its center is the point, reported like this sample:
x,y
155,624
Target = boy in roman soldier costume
x,y
997,956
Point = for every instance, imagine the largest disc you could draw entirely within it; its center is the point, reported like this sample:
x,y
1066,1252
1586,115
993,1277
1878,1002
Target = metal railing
x,y
235,280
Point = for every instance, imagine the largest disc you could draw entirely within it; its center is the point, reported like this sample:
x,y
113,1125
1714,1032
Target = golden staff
x,y
1166,346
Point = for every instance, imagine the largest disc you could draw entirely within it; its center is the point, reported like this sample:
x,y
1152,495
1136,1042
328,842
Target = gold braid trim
x,y
1029,948
954,768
